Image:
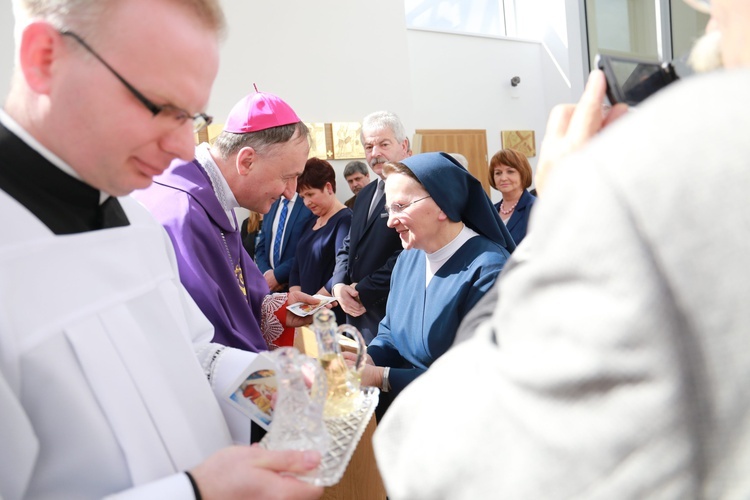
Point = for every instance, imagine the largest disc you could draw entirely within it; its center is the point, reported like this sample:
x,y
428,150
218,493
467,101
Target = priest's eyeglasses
x,y
397,208
180,116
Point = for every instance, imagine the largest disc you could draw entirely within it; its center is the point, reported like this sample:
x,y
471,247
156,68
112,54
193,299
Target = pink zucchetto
x,y
259,111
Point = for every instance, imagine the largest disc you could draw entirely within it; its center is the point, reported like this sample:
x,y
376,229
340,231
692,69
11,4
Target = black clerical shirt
x,y
63,203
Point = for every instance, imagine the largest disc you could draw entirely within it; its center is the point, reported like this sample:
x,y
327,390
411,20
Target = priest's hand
x,y
240,472
348,297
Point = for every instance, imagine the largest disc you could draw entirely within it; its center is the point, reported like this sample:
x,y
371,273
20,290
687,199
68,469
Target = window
x,y
646,29
622,27
480,17
687,25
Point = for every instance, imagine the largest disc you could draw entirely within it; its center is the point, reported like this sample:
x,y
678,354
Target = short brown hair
x,y
316,174
514,159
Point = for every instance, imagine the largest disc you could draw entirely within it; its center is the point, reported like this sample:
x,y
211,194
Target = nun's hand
x,y
371,375
351,358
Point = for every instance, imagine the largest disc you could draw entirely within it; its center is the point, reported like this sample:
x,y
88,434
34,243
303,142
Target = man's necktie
x,y
280,232
376,198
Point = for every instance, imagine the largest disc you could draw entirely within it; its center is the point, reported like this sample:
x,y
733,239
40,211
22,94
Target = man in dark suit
x,y
361,280
277,242
357,175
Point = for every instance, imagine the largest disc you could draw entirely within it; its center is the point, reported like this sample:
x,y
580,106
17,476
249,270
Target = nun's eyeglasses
x,y
397,208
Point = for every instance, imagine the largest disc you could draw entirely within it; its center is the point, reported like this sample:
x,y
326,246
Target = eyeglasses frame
x,y
390,211
155,109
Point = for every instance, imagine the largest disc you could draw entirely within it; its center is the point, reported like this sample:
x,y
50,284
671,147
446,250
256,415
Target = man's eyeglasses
x,y
397,208
200,121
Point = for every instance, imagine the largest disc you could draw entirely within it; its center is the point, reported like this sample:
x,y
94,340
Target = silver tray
x,y
345,432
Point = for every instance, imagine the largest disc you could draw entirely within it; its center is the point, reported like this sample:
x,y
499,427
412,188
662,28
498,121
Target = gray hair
x,y
380,120
229,143
356,167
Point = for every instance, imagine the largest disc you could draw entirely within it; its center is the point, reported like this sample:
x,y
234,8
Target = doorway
x,y
470,143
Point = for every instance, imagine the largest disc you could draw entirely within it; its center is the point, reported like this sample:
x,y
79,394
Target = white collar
x,y
218,182
37,146
435,260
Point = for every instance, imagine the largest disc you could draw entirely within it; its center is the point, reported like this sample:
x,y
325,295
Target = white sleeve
x,y
20,445
222,366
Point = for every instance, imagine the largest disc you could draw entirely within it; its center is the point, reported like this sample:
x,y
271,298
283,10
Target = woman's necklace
x,y
506,212
323,219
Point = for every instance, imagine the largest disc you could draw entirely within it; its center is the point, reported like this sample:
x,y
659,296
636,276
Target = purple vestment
x,y
183,201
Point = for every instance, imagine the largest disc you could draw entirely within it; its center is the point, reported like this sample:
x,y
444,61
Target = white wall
x,y
323,57
338,61
332,61
6,48
463,82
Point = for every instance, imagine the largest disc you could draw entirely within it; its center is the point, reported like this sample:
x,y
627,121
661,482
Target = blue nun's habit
x,y
421,322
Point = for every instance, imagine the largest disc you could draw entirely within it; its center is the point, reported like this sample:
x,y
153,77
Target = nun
x,y
455,246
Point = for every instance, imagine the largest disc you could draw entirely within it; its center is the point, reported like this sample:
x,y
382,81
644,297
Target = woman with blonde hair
x,y
249,232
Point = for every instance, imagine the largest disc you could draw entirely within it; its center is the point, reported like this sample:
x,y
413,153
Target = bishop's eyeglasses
x,y
180,116
397,208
